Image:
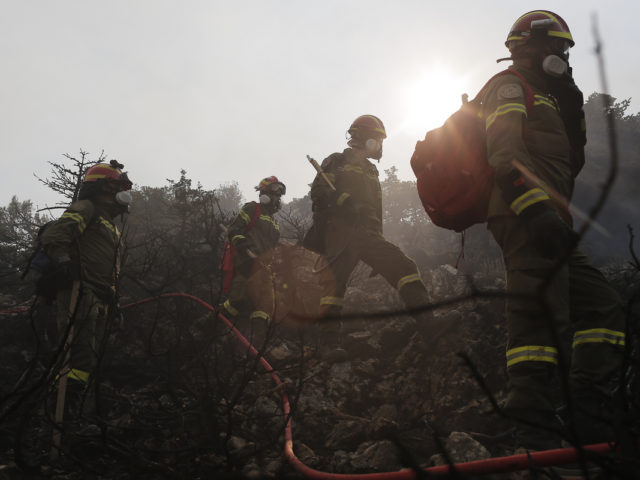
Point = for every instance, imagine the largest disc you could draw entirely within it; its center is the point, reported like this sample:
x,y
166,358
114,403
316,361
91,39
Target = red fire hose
x,y
479,467
14,310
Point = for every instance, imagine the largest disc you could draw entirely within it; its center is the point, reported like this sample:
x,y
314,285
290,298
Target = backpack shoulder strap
x,y
255,216
528,92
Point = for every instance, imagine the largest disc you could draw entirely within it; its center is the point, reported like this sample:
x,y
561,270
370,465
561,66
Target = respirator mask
x,y
373,147
124,198
555,66
264,199
555,61
271,201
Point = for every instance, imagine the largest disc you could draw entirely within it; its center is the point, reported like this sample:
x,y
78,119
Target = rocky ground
x,y
178,397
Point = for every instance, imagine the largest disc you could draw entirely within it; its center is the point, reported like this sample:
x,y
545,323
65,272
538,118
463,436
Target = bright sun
x,y
431,99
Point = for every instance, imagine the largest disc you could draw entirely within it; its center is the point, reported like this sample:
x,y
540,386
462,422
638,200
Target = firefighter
x,y
553,291
347,216
254,233
85,248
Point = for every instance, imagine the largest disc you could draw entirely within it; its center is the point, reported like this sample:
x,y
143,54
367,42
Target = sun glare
x,y
431,99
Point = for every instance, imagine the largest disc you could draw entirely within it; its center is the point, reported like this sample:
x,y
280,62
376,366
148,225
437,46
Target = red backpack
x,y
450,164
229,255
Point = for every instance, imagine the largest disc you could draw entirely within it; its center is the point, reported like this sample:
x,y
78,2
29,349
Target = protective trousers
x,y
252,288
346,244
578,316
88,322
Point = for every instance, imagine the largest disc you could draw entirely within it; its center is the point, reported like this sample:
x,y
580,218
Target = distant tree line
x,y
176,228
180,386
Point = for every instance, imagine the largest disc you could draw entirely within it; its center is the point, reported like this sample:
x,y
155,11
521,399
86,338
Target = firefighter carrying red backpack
x,y
454,178
229,255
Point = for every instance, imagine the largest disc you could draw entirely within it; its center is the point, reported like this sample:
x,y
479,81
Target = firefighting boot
x,y
535,430
592,419
260,330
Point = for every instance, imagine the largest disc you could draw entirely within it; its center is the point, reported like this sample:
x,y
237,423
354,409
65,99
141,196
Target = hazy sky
x,y
236,91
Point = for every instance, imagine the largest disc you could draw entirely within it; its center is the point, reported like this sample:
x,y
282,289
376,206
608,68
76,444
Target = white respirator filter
x,y
555,66
372,144
264,199
124,198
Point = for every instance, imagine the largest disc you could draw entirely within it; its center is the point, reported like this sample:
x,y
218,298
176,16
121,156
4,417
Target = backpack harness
x,y
454,178
230,252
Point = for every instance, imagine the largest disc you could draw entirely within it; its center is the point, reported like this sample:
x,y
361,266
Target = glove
x,y
552,237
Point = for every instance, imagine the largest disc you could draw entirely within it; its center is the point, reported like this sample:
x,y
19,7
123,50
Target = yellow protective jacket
x,y
264,234
86,234
534,142
356,179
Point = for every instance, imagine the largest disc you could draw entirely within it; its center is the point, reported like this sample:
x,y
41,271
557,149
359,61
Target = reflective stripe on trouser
x,y
599,335
532,353
251,289
413,277
80,375
581,302
413,292
347,244
89,322
230,308
335,301
331,306
74,374
259,314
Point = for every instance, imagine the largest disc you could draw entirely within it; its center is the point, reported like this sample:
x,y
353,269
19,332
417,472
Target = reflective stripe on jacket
x,y
535,143
86,234
356,179
264,234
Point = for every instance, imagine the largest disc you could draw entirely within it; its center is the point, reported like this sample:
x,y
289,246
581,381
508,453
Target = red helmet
x,y
271,185
367,126
542,21
111,173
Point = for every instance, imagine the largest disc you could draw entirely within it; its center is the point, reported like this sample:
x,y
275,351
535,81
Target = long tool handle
x,y
321,172
62,382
